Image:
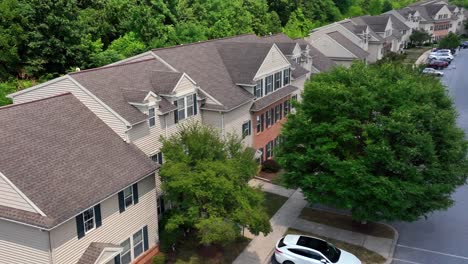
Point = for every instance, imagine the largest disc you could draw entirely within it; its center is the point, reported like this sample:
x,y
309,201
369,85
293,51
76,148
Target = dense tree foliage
x,y
380,141
451,41
418,37
206,179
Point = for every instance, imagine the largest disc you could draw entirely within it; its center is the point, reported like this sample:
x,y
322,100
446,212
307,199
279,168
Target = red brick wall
x,y
260,140
147,256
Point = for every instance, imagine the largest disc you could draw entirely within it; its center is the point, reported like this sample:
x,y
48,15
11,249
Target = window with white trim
x,y
137,243
246,128
278,81
89,220
259,89
268,84
181,108
128,196
190,105
126,255
152,117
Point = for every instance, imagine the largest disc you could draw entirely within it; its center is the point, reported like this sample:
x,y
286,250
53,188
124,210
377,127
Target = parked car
x,y
437,64
441,56
431,71
299,249
464,45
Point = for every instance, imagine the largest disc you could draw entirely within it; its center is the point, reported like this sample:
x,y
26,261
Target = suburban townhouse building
x,y
394,32
339,43
374,40
71,190
438,17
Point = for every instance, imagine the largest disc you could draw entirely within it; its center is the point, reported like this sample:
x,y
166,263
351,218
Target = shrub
x,y
270,166
160,258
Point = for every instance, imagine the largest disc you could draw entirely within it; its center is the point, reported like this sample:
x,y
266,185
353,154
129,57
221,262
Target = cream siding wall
x,y
375,51
234,119
344,31
273,62
185,86
116,226
299,83
11,198
66,85
330,48
20,244
148,139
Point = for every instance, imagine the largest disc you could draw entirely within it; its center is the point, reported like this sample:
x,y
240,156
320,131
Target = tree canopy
x,y
451,41
206,178
380,141
418,37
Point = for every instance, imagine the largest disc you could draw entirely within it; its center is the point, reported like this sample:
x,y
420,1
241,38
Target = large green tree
x,y
418,37
451,41
206,178
380,141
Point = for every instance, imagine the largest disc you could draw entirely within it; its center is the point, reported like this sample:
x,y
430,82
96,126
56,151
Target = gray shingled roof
x,y
279,94
286,47
107,83
134,96
93,252
203,62
376,23
165,106
64,158
361,22
433,9
348,44
397,24
165,82
243,59
320,61
297,71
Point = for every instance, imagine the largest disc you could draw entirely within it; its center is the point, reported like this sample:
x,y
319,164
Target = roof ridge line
x,y
201,42
110,66
34,101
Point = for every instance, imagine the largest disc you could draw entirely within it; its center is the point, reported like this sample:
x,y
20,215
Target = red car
x,y
437,64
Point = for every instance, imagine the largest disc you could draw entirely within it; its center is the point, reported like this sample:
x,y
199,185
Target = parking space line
x,y
434,252
406,261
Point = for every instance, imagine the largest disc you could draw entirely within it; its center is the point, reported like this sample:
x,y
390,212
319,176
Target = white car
x,y
441,56
298,249
432,71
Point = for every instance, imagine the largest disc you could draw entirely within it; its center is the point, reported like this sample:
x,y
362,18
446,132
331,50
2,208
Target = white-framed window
x,y
152,117
246,127
268,84
278,81
158,157
126,255
286,76
137,243
258,90
181,108
190,105
89,220
128,196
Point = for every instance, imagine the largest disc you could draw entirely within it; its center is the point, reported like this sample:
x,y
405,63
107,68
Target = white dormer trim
x,y
20,193
114,252
256,76
150,93
180,80
443,10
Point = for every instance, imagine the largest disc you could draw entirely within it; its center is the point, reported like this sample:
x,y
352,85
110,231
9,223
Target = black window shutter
x,y
97,215
160,160
163,207
272,113
195,104
250,127
80,226
117,259
121,202
176,113
145,238
281,111
261,122
135,193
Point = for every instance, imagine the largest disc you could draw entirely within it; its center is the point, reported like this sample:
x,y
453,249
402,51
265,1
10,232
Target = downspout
x,y
222,124
50,247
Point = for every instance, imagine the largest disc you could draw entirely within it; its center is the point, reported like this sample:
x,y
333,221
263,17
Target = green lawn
x,y
414,53
273,203
345,222
365,255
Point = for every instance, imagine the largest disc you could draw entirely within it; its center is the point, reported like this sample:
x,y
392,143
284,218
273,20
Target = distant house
x,y
71,190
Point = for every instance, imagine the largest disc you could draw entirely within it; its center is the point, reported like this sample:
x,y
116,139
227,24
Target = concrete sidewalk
x,y
261,247
423,58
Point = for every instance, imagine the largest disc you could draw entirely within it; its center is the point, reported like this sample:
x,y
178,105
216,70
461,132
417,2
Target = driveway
x,y
442,238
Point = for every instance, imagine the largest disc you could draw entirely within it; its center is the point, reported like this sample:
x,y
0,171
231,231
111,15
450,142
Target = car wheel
x,y
288,262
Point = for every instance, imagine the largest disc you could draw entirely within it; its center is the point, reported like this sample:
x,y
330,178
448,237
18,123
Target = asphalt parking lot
x,y
442,238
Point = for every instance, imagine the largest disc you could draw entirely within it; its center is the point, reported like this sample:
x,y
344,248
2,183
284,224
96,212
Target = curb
x,y
423,57
395,241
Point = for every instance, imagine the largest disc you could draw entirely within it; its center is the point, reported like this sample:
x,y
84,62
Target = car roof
x,y
291,239
312,243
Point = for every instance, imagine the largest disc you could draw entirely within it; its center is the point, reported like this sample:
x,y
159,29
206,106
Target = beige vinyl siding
x,y
336,27
212,118
116,226
185,86
274,61
11,198
66,85
234,119
375,52
299,83
148,139
331,48
20,244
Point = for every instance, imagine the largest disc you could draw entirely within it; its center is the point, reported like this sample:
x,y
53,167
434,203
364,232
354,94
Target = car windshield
x,y
327,249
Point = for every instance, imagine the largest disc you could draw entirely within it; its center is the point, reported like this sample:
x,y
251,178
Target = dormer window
x,y
259,89
189,106
181,108
152,117
186,107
